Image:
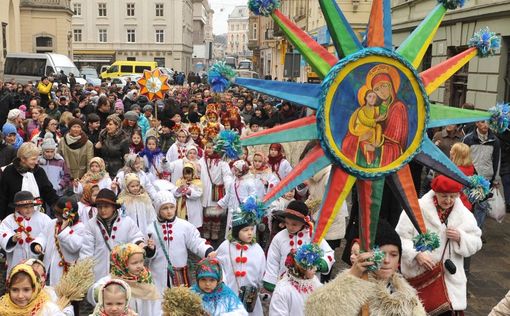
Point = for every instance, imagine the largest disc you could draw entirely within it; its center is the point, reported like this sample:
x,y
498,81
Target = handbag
x,y
497,209
432,290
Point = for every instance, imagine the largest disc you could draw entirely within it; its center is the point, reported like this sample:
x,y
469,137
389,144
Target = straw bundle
x,y
75,283
313,205
181,301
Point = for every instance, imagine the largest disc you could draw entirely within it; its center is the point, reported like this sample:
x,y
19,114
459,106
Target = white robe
x,y
83,212
175,168
461,219
235,194
194,207
280,248
173,152
219,172
141,212
17,253
71,240
51,309
283,169
145,182
140,306
94,244
185,237
287,300
68,310
265,177
158,165
255,267
104,183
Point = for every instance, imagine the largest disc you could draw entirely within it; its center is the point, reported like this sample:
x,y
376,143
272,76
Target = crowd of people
x,y
142,187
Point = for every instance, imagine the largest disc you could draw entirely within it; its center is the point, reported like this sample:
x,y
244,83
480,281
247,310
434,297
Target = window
x,y
77,35
103,36
237,27
159,9
131,38
126,68
160,61
140,69
160,36
4,39
131,59
130,7
77,9
254,31
101,9
44,44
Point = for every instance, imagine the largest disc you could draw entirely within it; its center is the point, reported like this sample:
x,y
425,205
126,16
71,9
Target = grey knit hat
x,y
131,116
48,142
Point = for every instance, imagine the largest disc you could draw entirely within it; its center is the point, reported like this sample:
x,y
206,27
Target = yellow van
x,y
122,68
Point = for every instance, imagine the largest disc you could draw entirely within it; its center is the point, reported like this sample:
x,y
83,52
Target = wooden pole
x,y
364,309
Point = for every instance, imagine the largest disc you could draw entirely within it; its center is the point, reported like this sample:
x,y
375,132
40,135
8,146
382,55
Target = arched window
x,y
44,44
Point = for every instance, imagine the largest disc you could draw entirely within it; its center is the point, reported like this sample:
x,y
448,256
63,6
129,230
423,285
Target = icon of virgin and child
x,y
378,129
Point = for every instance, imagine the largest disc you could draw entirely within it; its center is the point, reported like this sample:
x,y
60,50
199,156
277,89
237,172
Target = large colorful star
x,y
372,111
153,84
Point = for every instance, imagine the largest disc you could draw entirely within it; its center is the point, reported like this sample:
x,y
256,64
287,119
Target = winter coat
x,y
503,307
12,181
57,172
7,154
461,219
76,159
346,294
445,141
113,149
485,154
504,139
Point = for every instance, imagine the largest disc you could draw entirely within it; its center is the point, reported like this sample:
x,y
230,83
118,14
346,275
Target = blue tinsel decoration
x,y
500,119
452,4
308,255
478,190
219,76
485,41
377,259
426,242
253,206
263,7
229,144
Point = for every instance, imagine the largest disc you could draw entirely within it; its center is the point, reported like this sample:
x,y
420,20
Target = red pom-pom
x,y
239,246
291,236
106,237
115,228
166,238
4,235
28,229
300,242
171,238
330,258
238,273
164,231
20,241
170,231
170,225
113,237
164,226
71,232
238,259
19,230
291,243
245,247
300,234
19,219
244,259
243,273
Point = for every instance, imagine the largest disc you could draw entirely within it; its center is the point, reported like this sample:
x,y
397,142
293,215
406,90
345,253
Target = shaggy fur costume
x,y
346,294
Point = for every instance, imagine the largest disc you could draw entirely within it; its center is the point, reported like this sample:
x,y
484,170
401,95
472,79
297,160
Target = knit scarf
x,y
76,142
442,214
142,286
37,301
150,155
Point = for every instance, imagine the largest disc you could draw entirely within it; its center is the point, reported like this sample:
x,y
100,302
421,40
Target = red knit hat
x,y
443,184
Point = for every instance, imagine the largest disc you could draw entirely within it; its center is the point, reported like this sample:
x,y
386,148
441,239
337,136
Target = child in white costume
x,y
154,160
18,230
276,159
242,258
297,233
61,240
189,196
215,176
173,237
105,231
175,167
109,295
127,264
136,203
242,187
261,171
179,148
96,174
298,282
134,164
86,210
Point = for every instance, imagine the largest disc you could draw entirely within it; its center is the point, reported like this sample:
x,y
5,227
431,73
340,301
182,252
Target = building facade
x,y
483,81
274,56
237,35
151,30
202,35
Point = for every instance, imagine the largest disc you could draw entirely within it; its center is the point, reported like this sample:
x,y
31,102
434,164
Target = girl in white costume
x,y
134,164
189,196
179,148
96,175
86,210
175,167
154,160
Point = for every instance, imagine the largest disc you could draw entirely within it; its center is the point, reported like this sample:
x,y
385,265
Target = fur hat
x,y
130,177
163,197
386,235
106,196
75,121
48,142
131,116
443,184
250,212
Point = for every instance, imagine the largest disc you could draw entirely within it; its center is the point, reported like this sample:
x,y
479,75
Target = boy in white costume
x,y
297,233
242,187
61,240
105,231
242,258
216,176
173,237
19,230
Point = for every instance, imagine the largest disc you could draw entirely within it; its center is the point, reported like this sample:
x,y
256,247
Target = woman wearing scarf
x,y
36,302
76,149
127,264
25,175
113,144
276,159
217,298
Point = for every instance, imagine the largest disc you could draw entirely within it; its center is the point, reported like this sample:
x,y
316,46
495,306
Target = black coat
x,y
11,182
113,149
504,140
7,154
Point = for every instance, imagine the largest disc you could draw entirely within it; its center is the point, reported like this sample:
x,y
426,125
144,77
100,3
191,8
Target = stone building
x,y
482,82
237,35
151,30
202,35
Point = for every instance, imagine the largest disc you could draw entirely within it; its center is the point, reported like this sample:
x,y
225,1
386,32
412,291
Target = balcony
x,y
253,44
53,4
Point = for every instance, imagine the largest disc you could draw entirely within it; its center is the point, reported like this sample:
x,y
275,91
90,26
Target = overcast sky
x,y
222,8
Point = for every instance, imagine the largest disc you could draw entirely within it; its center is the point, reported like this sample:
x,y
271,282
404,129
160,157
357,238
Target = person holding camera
x,y
444,214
